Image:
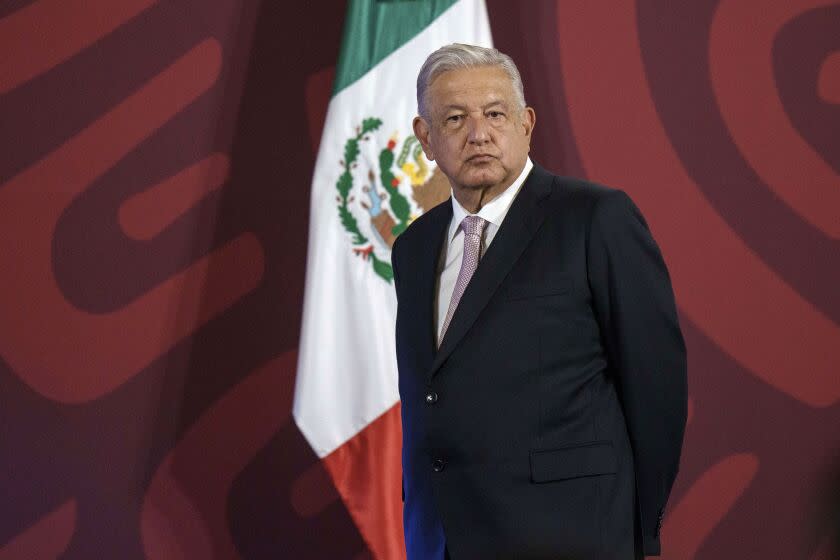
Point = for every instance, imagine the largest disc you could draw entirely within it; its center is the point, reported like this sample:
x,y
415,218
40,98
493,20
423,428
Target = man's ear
x,y
529,119
421,131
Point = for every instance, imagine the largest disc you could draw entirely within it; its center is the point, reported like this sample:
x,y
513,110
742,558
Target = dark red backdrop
x,y
155,162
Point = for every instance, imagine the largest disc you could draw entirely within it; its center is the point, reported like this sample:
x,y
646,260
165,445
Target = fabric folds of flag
x,y
371,180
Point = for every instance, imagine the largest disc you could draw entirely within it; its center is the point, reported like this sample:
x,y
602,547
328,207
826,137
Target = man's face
x,y
476,131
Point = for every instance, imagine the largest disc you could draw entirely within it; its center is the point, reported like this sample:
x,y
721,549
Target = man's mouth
x,y
480,158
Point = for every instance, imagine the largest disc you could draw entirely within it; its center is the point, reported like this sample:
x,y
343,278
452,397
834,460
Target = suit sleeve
x,y
634,304
397,290
394,265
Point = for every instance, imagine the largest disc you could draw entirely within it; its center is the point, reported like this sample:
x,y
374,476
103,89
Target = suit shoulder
x,y
579,196
606,208
564,187
586,202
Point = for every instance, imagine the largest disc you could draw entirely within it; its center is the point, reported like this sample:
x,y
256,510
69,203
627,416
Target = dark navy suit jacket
x,y
549,423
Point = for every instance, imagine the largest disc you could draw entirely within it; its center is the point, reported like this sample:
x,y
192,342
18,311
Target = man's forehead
x,y
491,84
488,73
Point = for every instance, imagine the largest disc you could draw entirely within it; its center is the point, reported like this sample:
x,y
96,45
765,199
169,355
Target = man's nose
x,y
478,132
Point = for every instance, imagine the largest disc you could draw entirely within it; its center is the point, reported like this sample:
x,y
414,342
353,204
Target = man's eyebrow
x,y
453,106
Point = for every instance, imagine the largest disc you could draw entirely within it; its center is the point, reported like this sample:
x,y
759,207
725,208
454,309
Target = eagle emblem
x,y
382,200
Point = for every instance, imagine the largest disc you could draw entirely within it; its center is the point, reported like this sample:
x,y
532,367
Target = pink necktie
x,y
473,228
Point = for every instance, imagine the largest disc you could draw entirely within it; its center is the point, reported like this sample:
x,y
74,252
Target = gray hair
x,y
458,56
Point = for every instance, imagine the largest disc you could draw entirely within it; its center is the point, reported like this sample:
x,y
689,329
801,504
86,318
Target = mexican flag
x,y
371,180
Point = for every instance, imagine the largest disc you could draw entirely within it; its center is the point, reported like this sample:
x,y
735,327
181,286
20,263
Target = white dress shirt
x,y
453,251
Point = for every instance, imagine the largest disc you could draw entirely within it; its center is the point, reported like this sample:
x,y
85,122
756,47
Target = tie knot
x,y
473,225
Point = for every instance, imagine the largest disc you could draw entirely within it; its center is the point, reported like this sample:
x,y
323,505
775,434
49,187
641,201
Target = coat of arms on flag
x,y
403,174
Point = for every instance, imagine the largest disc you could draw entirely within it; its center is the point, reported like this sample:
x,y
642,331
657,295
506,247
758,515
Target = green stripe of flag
x,y
373,29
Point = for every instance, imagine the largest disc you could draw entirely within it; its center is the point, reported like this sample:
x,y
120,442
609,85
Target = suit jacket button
x,y
431,397
438,464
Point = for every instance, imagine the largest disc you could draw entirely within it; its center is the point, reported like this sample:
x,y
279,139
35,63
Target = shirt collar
x,y
495,210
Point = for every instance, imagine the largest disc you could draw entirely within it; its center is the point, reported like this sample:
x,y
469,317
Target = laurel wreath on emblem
x,y
391,220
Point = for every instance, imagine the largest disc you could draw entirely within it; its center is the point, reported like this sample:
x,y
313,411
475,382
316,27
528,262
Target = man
x,y
542,371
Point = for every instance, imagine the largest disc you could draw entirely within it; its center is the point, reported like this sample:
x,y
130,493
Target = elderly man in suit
x,y
542,370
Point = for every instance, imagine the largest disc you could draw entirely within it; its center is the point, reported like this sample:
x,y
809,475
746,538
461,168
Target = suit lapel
x,y
521,222
426,256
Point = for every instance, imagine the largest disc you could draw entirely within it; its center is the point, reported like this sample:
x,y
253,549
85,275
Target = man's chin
x,y
480,181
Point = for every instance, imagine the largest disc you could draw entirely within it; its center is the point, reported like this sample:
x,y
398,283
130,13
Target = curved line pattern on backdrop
x,y
105,350
742,78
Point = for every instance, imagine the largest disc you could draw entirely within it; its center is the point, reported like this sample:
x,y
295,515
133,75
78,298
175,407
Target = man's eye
x,y
495,114
453,118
